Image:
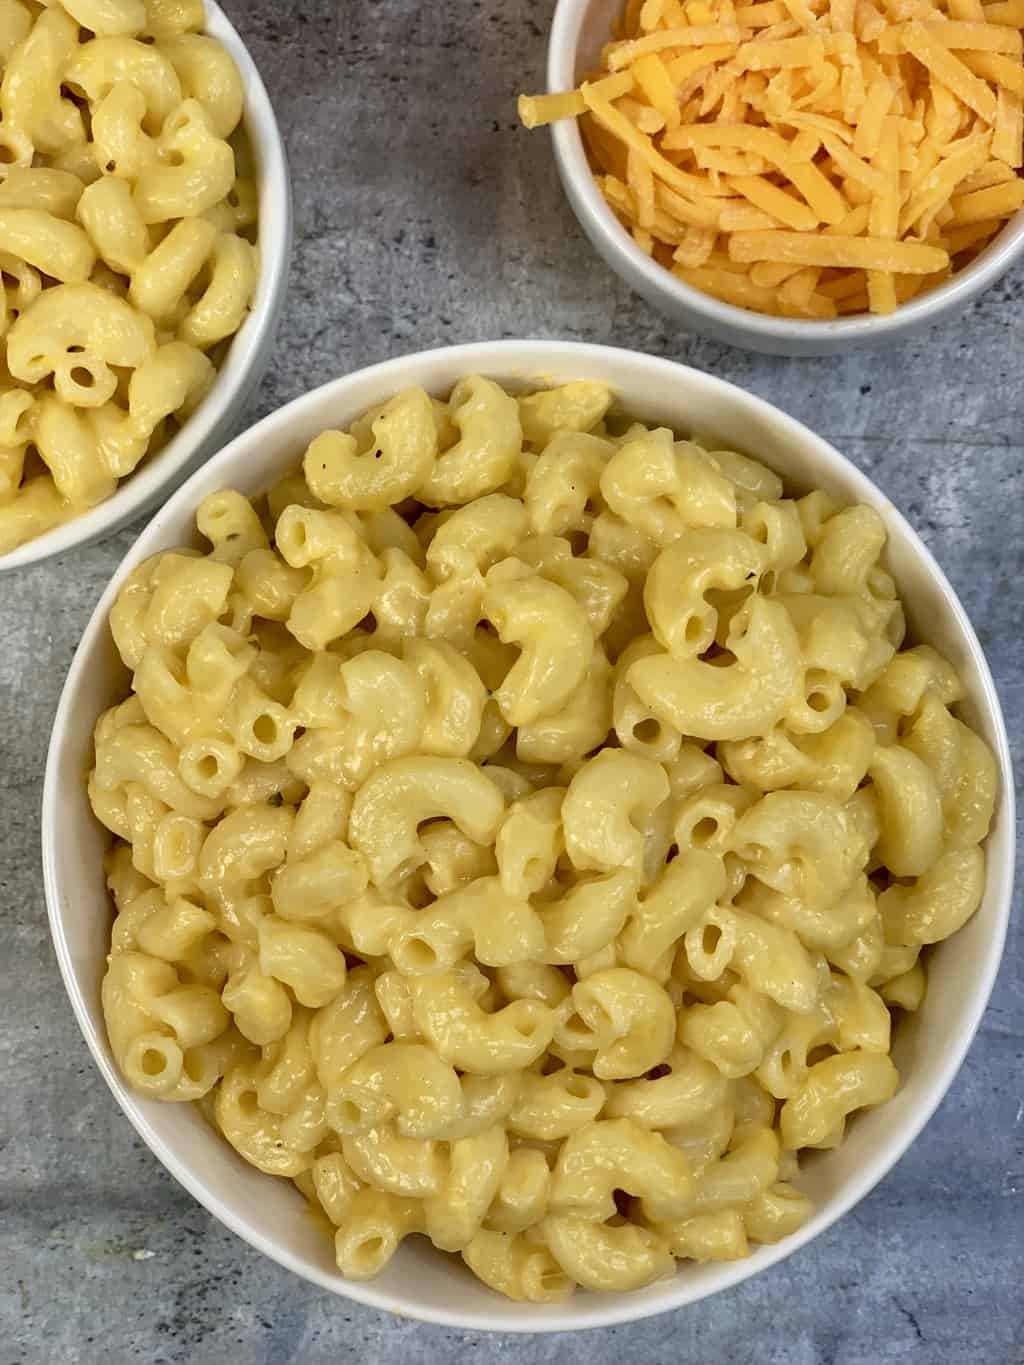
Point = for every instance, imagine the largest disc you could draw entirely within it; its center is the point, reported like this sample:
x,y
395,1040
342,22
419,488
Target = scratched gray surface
x,y
424,216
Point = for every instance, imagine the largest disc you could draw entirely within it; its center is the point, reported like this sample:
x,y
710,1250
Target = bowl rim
x,y
241,367
497,357
586,199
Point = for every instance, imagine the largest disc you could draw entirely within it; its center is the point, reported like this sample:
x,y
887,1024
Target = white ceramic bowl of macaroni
x,y
247,357
270,1214
579,30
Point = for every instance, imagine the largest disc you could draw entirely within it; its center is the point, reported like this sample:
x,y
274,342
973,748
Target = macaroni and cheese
x,y
127,254
526,823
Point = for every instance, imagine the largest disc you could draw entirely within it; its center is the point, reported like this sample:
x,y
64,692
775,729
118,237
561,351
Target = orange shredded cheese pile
x,y
807,158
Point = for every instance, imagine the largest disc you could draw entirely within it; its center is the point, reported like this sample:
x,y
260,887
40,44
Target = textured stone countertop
x,y
424,216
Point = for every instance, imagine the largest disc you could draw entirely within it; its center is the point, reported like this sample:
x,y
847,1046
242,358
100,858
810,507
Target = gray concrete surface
x,y
424,216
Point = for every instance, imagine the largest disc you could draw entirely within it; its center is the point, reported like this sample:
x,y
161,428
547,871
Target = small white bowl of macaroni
x,y
530,804
145,236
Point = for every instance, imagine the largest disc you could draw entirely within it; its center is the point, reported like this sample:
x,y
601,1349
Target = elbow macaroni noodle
x,y
524,826
127,243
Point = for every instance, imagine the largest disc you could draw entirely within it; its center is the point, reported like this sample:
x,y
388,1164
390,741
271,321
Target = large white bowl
x,y
579,30
248,355
270,1214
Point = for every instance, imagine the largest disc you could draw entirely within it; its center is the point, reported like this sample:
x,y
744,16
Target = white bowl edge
x,y
710,316
247,357
651,388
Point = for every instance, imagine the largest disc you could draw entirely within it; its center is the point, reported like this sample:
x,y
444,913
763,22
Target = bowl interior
x,y
247,355
580,30
270,1214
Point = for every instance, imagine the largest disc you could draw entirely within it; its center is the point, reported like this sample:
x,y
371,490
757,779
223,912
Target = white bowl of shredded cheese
x,y
927,1049
580,31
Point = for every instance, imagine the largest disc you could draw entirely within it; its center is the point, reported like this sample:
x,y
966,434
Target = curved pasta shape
x,y
482,459
686,889
374,702
734,1033
691,1089
400,456
803,844
833,1089
402,1082
600,1257
565,481
632,1019
530,842
607,801
587,918
108,331
524,1271
574,407
253,1131
104,62
581,725
910,811
738,702
374,1226
476,1165
59,249
454,697
940,901
498,928
683,621
391,804
663,487
346,1029
206,73
411,1168
195,172
31,99
613,1154
551,1107
556,642
469,1038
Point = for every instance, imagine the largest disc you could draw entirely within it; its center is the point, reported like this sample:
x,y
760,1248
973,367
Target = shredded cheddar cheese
x,y
808,158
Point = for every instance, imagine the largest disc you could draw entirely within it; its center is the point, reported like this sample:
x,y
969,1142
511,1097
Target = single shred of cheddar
x,y
696,246
770,274
859,253
745,218
883,218
995,202
775,202
1009,130
964,238
640,181
991,66
1009,12
806,158
653,80
992,173
761,15
698,35
877,103
976,37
